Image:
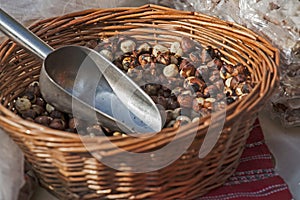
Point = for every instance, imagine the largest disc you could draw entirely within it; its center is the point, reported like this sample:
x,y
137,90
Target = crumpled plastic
x,y
11,168
279,22
29,11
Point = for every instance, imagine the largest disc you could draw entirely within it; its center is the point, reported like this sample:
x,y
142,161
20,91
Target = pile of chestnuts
x,y
187,81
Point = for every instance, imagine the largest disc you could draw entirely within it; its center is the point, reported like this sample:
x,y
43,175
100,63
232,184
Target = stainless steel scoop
x,y
78,79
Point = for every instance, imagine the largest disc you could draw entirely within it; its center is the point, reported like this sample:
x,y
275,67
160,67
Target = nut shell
x,y
170,71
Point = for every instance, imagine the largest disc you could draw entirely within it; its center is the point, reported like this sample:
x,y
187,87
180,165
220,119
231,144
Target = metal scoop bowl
x,y
78,79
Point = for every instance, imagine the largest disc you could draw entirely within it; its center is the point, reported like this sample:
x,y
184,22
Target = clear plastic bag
x,y
11,168
32,10
279,22
29,11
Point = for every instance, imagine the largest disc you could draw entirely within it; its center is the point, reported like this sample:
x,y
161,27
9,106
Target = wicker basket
x,y
61,161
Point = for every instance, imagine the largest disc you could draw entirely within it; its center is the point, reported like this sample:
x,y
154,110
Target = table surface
x,y
283,143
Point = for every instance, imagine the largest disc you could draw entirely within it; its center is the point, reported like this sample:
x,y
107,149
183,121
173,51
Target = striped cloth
x,y
255,177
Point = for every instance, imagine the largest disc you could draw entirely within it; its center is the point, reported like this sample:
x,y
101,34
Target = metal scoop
x,y
78,79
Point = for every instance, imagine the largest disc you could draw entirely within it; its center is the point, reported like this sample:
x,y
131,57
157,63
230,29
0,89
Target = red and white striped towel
x,y
255,177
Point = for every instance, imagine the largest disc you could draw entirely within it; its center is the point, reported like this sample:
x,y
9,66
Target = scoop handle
x,y
17,32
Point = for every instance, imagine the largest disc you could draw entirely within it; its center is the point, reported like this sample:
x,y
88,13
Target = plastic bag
x,y
11,168
29,11
279,22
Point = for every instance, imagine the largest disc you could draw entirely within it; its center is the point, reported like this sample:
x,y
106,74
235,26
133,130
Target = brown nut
x,y
220,96
126,62
172,103
184,63
205,56
204,111
198,104
229,68
230,100
174,60
170,70
145,47
30,113
144,59
187,44
57,114
194,83
228,92
159,49
38,109
243,96
171,124
176,49
135,74
22,104
72,124
186,69
34,88
215,76
91,44
187,72
169,116
152,89
218,62
194,56
58,124
161,101
107,54
44,120
202,72
224,74
185,99
40,101
208,103
127,46
232,82
49,108
243,88
211,91
241,78
30,96
239,69
164,91
164,58
183,120
177,90
220,85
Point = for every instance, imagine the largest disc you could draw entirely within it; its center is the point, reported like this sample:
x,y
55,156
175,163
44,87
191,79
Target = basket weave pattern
x,y
60,160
